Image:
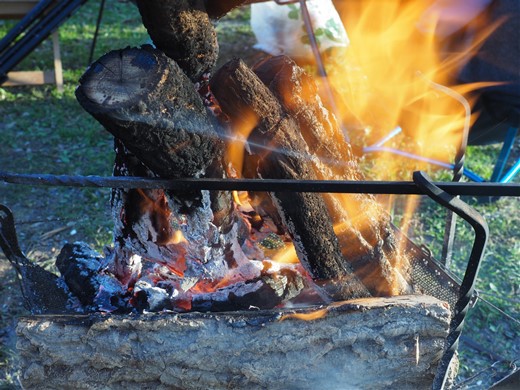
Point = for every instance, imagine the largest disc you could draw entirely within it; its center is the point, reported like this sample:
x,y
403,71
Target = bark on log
x,y
367,344
366,235
183,30
283,153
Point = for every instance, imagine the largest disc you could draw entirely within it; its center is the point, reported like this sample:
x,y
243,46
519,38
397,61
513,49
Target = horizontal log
x,y
376,343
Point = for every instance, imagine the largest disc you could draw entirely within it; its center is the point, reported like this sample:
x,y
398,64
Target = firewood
x,y
82,269
368,244
183,30
380,343
164,130
278,142
144,99
298,93
160,118
264,293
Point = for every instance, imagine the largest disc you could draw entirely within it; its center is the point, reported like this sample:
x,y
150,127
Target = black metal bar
x,y
94,40
36,34
24,23
467,287
267,185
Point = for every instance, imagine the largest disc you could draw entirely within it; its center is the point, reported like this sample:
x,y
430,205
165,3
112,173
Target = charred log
x,y
282,150
161,119
80,269
83,271
368,243
298,93
266,292
144,99
183,30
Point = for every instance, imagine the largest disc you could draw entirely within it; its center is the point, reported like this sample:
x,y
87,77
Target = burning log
x,y
145,100
265,292
376,343
297,92
183,30
362,226
161,120
278,145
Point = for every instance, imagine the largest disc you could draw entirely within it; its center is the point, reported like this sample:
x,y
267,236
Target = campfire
x,y
268,260
172,117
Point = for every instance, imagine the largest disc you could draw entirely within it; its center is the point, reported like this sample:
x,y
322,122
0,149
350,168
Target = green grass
x,y
42,131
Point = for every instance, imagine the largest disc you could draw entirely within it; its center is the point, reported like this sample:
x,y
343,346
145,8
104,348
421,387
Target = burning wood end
x,y
211,250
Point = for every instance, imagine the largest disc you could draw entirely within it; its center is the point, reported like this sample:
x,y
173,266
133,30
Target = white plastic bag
x,y
279,29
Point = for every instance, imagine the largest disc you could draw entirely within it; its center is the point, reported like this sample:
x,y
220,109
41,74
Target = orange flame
x,y
286,255
236,145
395,73
156,206
314,315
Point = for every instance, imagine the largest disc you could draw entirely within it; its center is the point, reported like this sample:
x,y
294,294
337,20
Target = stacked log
x,y
148,99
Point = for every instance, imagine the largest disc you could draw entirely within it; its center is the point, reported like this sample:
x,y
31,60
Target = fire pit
x,y
232,275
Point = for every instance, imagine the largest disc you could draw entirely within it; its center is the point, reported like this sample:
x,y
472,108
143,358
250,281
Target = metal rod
x,y
267,185
94,40
504,154
24,23
37,33
511,173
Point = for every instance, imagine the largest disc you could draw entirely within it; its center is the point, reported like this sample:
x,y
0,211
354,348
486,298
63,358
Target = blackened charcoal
x,y
79,265
263,293
148,297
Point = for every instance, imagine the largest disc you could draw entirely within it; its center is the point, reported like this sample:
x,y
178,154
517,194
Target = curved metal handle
x,y
467,287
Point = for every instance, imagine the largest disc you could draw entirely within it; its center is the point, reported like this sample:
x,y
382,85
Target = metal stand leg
x,y
467,287
58,70
96,33
504,154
